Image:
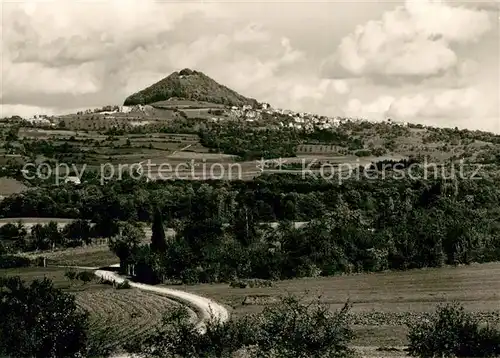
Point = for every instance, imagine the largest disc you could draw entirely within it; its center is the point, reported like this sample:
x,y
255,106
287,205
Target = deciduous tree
x,y
39,321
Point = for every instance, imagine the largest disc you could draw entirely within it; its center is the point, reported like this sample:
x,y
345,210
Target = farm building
x,y
73,179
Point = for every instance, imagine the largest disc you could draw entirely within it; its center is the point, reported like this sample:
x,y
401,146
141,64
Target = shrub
x,y
99,343
123,286
178,336
288,329
294,329
452,332
103,281
252,283
363,153
190,276
238,284
259,283
260,300
70,275
85,276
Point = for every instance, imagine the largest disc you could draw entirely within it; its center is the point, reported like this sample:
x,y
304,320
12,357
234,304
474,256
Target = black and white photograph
x,y
250,179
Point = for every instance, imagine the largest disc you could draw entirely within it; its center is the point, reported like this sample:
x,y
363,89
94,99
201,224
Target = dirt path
x,y
205,308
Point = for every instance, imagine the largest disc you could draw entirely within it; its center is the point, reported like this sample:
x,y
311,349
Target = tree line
x,y
428,230
17,237
266,198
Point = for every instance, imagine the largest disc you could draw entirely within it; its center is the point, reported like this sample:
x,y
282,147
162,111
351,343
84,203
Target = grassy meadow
x,y
381,302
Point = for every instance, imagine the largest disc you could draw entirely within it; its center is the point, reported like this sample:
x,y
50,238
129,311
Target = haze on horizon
x,y
424,61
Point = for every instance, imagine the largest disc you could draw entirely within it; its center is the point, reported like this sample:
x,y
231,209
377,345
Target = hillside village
x,y
140,115
189,94
298,120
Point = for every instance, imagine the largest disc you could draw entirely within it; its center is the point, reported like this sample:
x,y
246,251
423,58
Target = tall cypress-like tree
x,y
158,240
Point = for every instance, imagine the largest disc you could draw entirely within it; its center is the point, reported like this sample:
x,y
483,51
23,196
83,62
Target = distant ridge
x,y
190,85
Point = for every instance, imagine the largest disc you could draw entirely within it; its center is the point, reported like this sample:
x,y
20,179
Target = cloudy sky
x,y
427,61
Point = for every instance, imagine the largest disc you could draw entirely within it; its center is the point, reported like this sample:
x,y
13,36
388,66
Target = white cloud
x,y
71,54
110,47
454,24
318,90
453,103
30,111
446,107
414,40
434,61
34,78
375,110
74,49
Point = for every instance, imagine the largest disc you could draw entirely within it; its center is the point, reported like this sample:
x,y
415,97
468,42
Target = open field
x,y
121,314
9,186
196,166
34,221
382,302
39,133
90,256
377,352
29,222
318,149
56,274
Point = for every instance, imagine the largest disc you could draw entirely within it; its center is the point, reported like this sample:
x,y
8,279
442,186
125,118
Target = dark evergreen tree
x,y
158,240
244,226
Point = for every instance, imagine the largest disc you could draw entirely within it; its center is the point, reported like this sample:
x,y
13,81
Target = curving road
x,y
205,308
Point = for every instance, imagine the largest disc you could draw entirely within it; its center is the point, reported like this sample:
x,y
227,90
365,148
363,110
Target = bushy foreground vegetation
x,y
42,321
290,329
453,332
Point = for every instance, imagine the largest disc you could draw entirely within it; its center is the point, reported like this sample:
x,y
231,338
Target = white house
x,y
38,120
73,179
